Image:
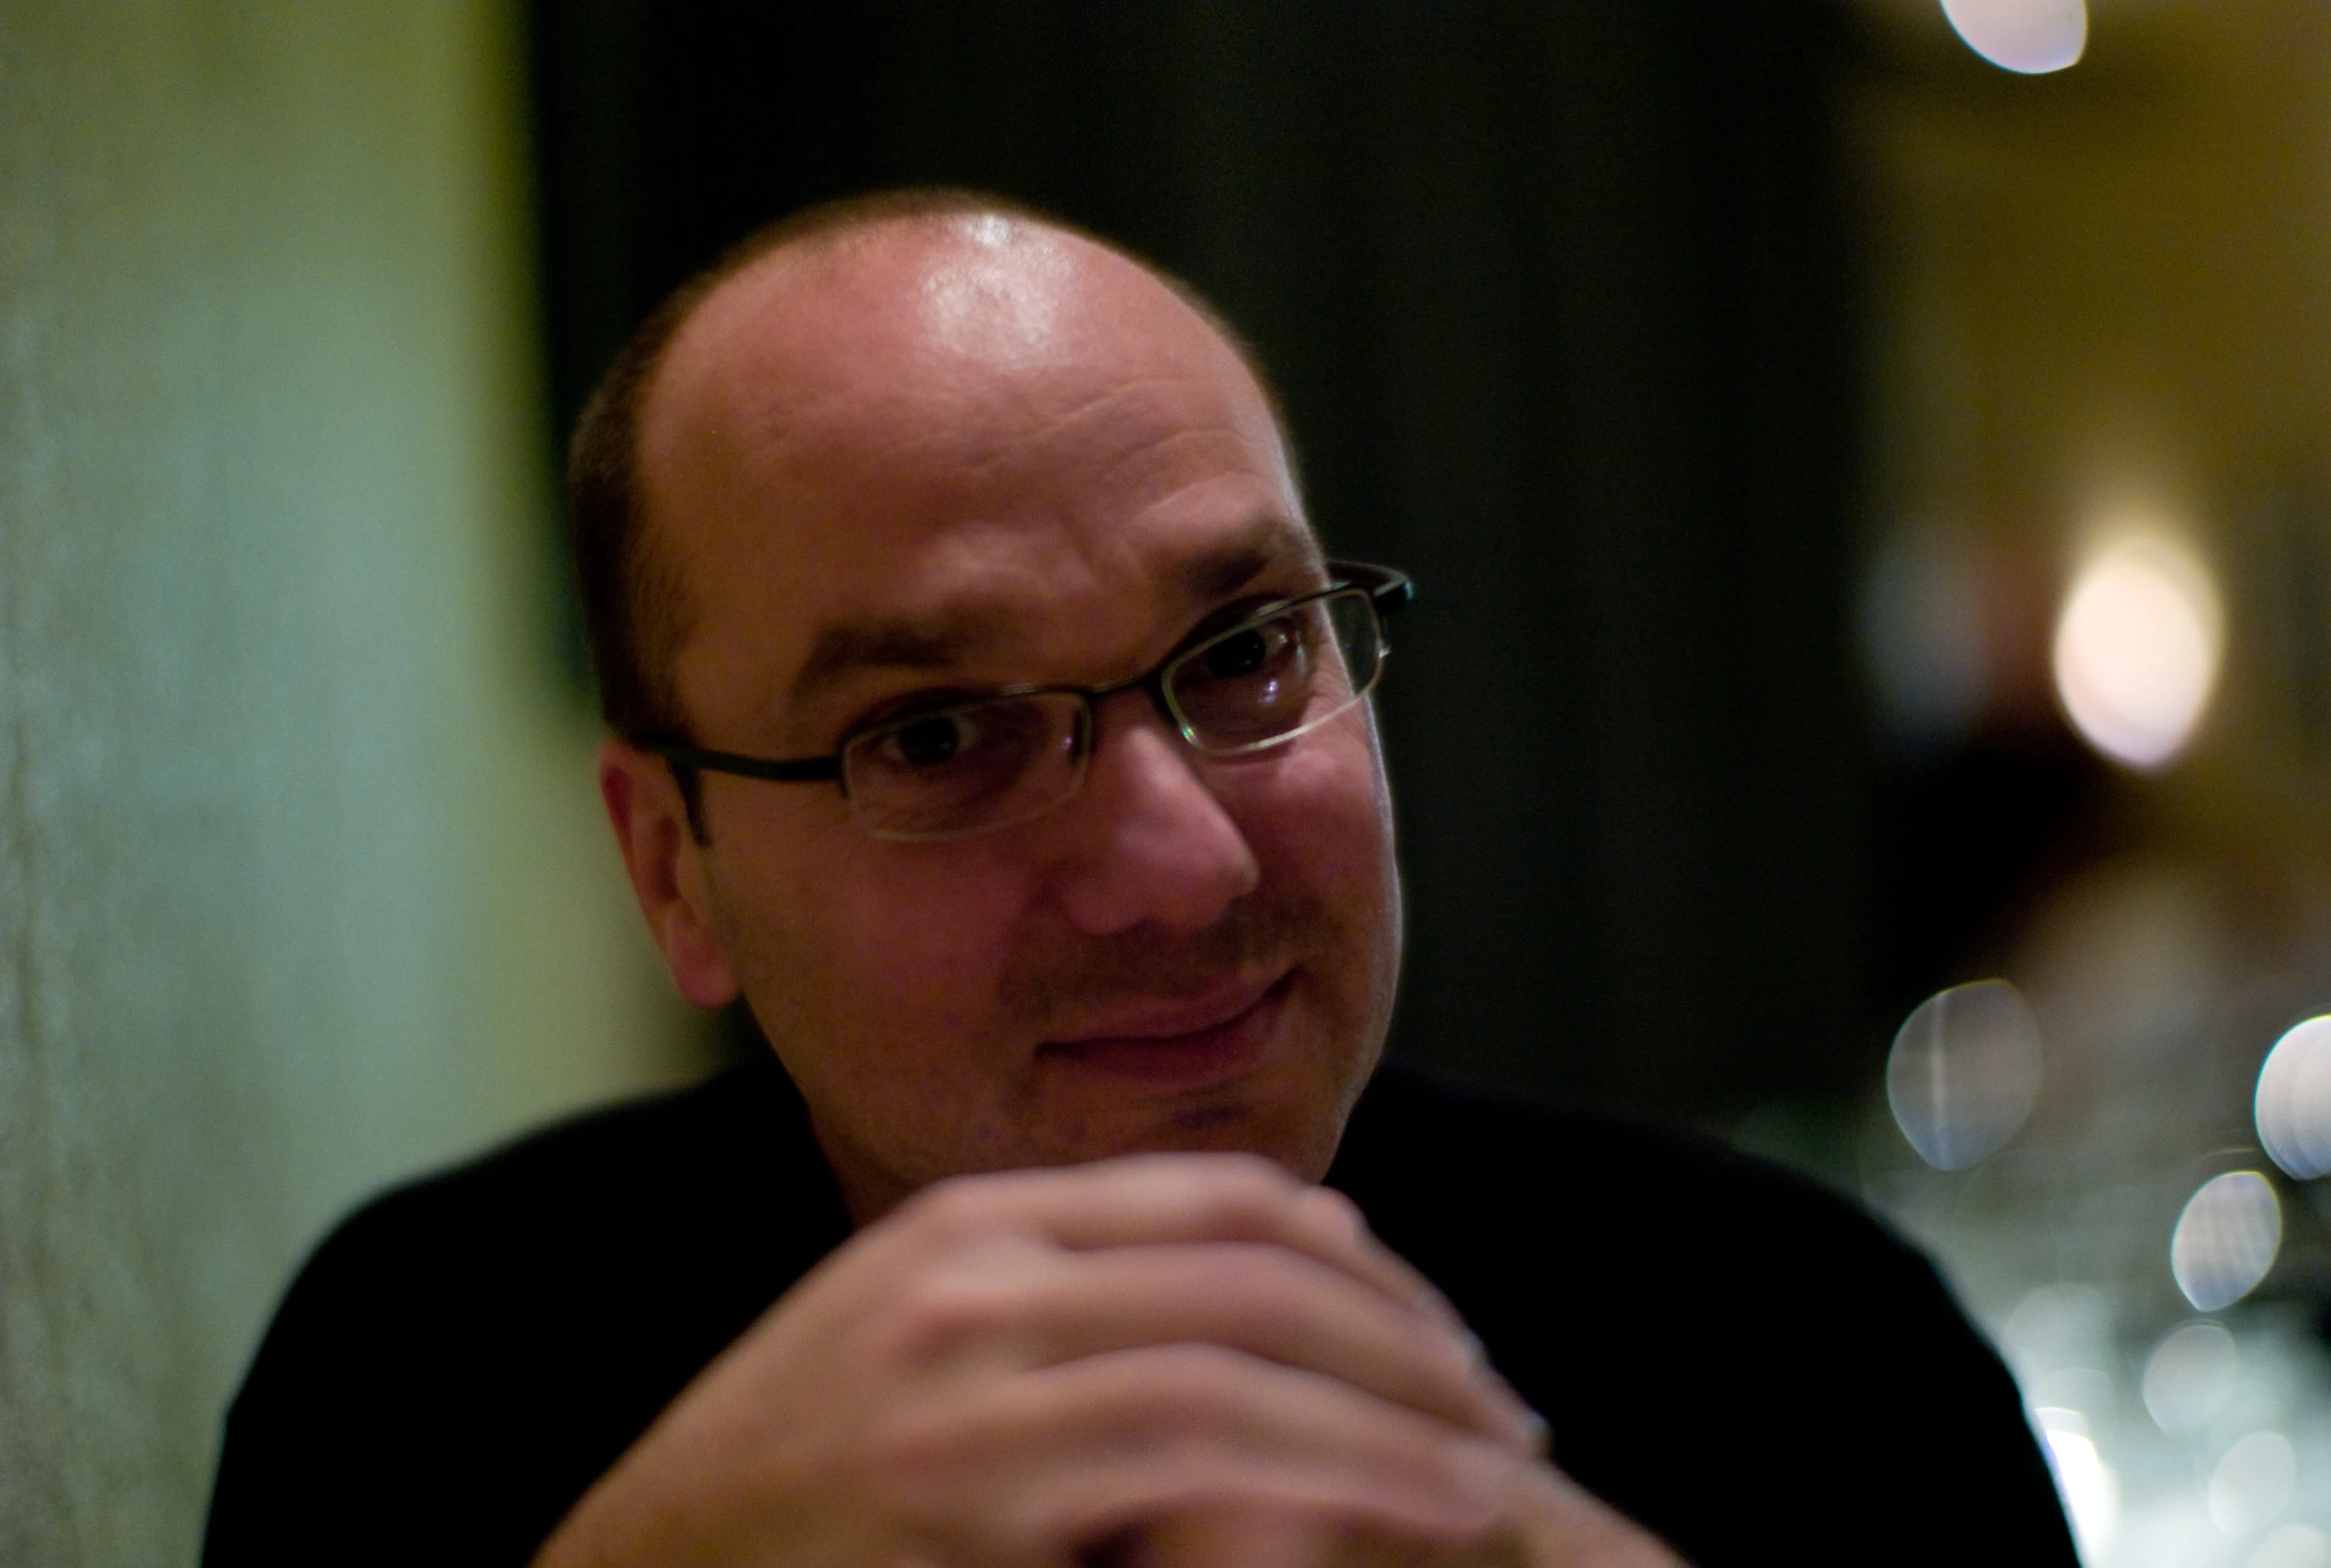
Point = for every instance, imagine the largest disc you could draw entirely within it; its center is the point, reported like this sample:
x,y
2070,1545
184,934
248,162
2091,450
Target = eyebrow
x,y
940,640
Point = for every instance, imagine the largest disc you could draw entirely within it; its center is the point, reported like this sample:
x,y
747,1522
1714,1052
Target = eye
x,y
933,740
976,740
1239,654
1251,649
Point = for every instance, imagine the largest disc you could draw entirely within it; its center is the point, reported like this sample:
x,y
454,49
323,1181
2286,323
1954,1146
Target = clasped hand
x,y
1162,1360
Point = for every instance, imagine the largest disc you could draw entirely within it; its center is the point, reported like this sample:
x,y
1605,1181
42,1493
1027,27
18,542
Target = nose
x,y
1149,841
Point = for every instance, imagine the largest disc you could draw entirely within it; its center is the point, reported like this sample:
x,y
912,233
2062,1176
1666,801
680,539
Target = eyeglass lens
x,y
976,765
989,765
1269,681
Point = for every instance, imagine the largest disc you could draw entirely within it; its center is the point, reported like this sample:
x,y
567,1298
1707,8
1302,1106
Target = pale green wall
x,y
301,882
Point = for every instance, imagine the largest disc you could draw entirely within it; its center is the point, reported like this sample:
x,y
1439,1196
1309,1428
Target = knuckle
x,y
1264,1179
1335,1208
1244,1193
950,1209
940,1313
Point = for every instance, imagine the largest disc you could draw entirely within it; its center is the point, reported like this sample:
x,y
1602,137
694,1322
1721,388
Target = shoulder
x,y
651,1175
1433,1159
1678,1309
662,1225
492,1337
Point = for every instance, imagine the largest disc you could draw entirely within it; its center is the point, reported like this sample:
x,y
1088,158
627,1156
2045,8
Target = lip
x,y
1178,1043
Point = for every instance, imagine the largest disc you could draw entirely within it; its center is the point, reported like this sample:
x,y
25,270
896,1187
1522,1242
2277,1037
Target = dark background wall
x,y
1560,297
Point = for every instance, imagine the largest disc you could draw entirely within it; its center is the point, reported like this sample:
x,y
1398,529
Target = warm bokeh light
x,y
2294,1101
2189,1376
1963,1073
2027,36
2225,1240
2136,650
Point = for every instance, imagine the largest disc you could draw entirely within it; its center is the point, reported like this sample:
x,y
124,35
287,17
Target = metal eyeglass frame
x,y
1388,589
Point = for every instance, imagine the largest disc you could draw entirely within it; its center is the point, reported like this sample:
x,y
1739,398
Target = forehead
x,y
1003,436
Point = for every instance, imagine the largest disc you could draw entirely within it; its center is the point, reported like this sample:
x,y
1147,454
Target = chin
x,y
1297,1133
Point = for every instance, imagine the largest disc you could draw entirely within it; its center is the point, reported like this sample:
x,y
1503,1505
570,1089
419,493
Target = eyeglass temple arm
x,y
787,770
1388,589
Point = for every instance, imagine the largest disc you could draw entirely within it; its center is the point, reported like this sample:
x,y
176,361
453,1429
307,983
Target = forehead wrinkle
x,y
1151,395
946,637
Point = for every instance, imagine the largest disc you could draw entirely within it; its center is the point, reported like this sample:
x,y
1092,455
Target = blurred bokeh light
x,y
1963,1073
2293,1546
2294,1101
2136,650
2252,1482
2031,37
2190,1376
2225,1240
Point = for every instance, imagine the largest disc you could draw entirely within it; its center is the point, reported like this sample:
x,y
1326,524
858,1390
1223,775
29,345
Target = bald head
x,y
901,300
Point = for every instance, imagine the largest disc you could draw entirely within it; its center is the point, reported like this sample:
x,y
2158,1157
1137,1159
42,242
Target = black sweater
x,y
1744,1363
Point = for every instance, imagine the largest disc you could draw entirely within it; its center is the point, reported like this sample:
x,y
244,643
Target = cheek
x,y
848,938
1321,819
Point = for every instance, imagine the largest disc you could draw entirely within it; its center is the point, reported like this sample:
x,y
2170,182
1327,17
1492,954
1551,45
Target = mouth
x,y
1177,1044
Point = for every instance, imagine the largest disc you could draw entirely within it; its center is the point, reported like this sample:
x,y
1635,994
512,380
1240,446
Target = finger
x,y
1163,1198
1557,1520
1273,1303
1222,1538
1247,1540
1060,1459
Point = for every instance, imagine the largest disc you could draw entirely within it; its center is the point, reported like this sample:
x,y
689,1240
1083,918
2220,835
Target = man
x,y
987,718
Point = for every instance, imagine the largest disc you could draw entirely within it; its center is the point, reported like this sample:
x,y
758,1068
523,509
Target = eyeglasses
x,y
992,762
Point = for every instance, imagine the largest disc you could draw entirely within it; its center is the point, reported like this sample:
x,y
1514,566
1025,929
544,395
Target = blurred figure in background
x,y
987,718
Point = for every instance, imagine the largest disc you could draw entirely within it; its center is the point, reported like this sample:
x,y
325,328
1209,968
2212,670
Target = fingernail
x,y
1540,1431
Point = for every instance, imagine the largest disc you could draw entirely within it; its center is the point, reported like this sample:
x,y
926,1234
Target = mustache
x,y
1260,930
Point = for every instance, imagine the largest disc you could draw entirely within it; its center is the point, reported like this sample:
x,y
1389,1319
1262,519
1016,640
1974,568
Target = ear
x,y
667,870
